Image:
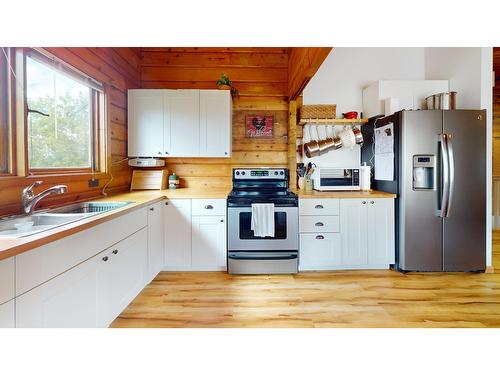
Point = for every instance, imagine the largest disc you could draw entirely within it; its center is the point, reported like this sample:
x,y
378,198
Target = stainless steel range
x,y
248,254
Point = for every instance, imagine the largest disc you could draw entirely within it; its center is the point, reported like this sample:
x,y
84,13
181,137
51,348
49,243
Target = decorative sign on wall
x,y
259,126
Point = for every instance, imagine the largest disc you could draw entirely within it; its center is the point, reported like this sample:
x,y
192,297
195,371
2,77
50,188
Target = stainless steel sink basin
x,y
27,225
89,207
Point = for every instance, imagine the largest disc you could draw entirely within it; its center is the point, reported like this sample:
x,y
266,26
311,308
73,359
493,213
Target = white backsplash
x,y
337,158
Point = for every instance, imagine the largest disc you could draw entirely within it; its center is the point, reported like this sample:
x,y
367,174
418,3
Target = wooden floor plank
x,y
379,298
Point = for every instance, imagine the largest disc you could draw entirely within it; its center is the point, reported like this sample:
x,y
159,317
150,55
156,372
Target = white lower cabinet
x,y
195,235
69,300
156,253
367,228
319,251
360,235
7,315
209,243
177,214
91,294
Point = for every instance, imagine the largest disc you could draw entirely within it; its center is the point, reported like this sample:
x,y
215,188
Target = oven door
x,y
286,230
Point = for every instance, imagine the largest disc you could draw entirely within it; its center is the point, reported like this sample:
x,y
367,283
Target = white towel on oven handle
x,y
262,222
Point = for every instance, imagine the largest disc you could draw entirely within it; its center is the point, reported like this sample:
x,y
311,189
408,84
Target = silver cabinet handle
x,y
372,202
319,206
221,220
159,152
166,203
166,152
225,153
115,252
209,207
319,224
364,202
105,258
152,209
320,237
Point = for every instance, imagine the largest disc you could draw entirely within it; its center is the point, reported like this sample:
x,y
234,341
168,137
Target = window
x,y
64,115
5,111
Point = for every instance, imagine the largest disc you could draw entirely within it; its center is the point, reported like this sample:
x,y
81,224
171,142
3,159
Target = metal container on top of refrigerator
x,y
440,180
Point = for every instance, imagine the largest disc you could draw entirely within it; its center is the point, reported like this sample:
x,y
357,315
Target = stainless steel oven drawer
x,y
258,263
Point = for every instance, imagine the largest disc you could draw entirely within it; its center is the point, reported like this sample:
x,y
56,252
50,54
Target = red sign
x,y
259,126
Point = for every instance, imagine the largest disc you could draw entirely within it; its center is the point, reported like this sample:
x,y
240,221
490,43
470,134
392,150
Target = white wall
x,y
347,71
469,71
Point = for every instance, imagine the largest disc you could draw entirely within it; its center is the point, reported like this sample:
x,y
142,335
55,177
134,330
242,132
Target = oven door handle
x,y
271,256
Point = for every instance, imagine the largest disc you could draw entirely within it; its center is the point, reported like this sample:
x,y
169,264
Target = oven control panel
x,y
260,173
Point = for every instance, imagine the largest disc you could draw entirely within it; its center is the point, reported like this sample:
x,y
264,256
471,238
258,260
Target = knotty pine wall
x,y
119,70
260,75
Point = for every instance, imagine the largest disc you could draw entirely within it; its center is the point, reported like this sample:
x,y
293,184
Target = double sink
x,y
27,225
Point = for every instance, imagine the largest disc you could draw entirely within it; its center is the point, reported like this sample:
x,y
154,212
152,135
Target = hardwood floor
x,y
319,299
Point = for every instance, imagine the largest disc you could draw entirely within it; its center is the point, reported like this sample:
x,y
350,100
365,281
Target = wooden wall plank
x,y
303,63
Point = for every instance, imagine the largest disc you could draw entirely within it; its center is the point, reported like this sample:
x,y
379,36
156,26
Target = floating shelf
x,y
332,121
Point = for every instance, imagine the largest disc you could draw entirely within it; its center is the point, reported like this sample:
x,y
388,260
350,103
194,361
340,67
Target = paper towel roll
x,y
364,177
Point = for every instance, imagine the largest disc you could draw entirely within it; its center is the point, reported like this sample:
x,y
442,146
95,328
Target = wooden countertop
x,y
13,246
344,194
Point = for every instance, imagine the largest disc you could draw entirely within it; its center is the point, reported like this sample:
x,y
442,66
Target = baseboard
x,y
489,269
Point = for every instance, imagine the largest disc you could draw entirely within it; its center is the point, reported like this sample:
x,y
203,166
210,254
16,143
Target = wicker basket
x,y
318,111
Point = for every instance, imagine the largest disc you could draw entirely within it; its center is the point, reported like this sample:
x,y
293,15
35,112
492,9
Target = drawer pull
x,y
320,237
105,258
364,202
319,224
372,202
209,207
319,206
115,252
166,203
152,209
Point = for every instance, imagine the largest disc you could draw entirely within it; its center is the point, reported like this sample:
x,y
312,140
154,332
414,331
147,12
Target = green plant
x,y
225,81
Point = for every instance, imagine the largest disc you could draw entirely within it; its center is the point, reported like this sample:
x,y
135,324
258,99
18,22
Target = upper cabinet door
x,y
182,123
145,123
215,123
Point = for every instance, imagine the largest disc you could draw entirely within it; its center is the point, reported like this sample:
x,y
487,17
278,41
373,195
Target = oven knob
x,y
237,173
243,173
282,173
275,173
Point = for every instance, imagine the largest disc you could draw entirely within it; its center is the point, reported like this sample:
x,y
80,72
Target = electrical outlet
x,y
93,182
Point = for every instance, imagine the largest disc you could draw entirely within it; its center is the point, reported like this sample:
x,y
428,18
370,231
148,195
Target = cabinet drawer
x,y
319,207
209,207
180,203
7,279
318,224
319,251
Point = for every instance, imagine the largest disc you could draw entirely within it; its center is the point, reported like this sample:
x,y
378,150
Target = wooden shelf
x,y
332,121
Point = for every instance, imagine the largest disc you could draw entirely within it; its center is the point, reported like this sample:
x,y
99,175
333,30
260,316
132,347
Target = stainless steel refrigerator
x,y
440,179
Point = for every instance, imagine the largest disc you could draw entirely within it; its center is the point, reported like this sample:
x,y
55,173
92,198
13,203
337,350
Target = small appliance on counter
x,y
173,181
335,179
146,162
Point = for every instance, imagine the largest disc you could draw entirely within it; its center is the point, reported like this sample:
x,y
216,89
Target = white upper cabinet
x,y
182,123
215,123
145,123
179,123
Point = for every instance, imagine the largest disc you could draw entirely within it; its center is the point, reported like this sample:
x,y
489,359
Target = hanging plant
x,y
224,83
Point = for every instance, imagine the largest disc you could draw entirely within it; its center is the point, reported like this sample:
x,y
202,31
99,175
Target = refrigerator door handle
x,y
445,175
451,162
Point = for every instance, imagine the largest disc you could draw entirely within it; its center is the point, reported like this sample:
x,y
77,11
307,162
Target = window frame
x,y
97,113
10,157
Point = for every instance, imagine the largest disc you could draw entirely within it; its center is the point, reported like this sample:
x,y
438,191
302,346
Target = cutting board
x,y
149,180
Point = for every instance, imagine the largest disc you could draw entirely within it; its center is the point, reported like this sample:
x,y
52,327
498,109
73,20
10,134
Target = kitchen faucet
x,y
30,200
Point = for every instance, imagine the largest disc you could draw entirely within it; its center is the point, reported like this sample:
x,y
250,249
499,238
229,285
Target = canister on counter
x,y
173,181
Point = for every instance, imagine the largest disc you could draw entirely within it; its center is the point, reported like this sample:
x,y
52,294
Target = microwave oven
x,y
328,179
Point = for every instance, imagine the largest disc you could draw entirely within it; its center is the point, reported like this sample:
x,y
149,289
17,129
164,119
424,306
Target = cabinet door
x,y
68,300
319,251
182,123
145,123
215,123
7,315
381,246
177,215
209,243
155,240
122,275
7,279
353,229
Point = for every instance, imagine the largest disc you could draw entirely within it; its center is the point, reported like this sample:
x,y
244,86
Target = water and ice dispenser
x,y
424,175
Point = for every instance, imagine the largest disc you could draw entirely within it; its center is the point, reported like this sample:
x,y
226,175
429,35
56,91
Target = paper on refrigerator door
x,y
384,167
384,153
384,139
